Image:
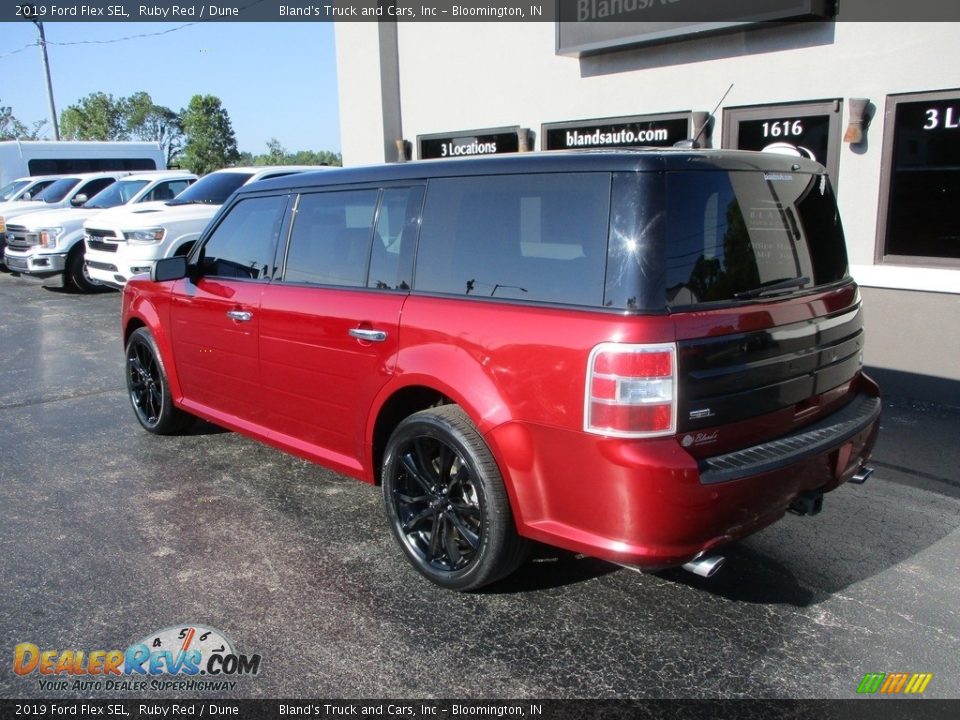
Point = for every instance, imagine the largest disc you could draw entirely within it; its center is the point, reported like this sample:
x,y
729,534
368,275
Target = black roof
x,y
620,159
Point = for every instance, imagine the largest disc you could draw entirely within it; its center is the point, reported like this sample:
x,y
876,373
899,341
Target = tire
x,y
149,389
76,272
445,501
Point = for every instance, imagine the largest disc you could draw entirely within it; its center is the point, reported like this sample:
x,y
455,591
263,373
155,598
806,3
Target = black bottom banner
x,y
864,709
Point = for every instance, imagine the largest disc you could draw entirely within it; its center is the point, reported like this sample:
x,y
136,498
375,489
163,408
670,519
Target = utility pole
x,y
46,70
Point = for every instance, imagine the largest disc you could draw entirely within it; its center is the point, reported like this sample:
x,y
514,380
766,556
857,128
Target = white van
x,y
127,241
19,158
49,243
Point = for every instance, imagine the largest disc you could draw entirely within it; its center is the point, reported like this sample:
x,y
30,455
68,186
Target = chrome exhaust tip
x,y
705,566
861,475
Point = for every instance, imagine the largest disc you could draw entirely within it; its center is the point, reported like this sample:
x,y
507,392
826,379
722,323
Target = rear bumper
x,y
813,440
651,504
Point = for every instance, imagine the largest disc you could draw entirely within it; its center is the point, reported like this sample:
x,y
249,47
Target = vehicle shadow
x,y
202,427
753,577
71,290
549,567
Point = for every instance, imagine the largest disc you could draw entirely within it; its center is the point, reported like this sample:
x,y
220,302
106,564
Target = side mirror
x,y
171,268
79,200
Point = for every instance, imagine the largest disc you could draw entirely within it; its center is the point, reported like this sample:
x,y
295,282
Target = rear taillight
x,y
631,390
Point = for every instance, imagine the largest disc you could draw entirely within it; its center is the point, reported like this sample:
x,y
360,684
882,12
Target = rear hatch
x,y
768,322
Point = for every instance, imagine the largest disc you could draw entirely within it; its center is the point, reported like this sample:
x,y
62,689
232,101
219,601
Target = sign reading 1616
x,y
945,117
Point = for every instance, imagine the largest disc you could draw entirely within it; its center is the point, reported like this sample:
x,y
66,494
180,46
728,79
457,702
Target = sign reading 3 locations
x,y
493,141
634,131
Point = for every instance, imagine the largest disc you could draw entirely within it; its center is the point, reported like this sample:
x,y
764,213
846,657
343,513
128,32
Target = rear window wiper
x,y
772,286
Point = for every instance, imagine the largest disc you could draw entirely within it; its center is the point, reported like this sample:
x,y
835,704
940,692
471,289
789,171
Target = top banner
x,y
642,20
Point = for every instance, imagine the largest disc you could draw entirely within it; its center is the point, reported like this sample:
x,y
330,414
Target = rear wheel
x,y
149,389
446,503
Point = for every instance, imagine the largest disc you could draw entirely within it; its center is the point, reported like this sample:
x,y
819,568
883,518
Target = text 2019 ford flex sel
x,y
639,356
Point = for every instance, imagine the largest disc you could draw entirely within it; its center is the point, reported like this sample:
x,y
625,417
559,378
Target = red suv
x,y
637,355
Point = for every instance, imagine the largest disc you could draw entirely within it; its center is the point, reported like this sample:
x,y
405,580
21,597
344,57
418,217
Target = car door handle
x,y
240,315
368,335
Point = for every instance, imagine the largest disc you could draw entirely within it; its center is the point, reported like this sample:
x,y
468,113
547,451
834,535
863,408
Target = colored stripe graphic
x,y
918,683
871,683
894,683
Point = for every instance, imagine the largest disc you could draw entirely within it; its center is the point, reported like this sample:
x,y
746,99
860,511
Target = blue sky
x,y
275,79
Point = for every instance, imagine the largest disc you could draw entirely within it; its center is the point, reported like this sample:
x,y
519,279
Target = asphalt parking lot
x,y
109,534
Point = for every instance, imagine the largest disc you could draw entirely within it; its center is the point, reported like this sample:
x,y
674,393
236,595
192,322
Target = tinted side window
x,y
527,237
330,243
50,166
243,244
397,224
166,190
95,186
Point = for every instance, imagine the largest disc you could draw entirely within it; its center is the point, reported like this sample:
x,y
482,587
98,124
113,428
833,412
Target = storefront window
x,y
810,130
920,219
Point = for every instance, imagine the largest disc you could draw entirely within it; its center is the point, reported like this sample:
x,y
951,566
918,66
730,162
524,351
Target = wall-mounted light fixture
x,y
525,139
860,113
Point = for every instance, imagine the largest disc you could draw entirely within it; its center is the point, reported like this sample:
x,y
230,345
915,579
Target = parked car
x,y
123,244
49,244
68,191
24,188
640,356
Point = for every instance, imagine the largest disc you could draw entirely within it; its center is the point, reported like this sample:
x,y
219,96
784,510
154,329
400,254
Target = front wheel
x,y
446,503
77,274
149,389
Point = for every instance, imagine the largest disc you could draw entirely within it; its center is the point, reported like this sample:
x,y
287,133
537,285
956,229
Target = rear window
x,y
538,237
740,235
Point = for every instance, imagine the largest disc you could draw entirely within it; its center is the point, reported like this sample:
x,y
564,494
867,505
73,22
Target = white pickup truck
x,y
124,243
69,191
49,243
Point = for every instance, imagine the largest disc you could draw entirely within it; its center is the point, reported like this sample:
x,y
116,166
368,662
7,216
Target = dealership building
x,y
878,103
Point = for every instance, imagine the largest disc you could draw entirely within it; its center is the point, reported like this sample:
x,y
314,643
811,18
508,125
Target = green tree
x,y
210,141
96,117
145,120
12,129
277,155
275,152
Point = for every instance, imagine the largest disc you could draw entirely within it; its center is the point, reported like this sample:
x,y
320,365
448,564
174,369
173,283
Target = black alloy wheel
x,y
446,503
148,388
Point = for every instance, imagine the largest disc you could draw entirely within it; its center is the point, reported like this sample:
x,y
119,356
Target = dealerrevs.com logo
x,y
171,659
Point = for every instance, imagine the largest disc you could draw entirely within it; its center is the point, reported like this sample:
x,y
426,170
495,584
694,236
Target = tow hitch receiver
x,y
809,502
